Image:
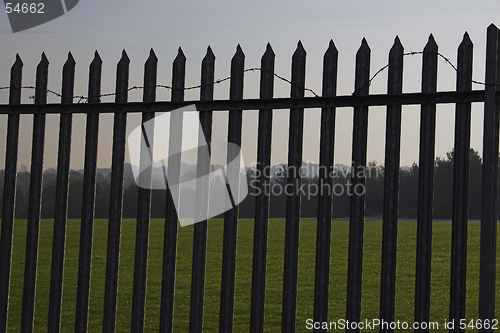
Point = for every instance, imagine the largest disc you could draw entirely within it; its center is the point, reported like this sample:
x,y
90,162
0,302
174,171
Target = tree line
x,y
443,187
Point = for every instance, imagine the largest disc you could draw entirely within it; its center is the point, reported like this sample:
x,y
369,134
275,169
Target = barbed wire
x,y
253,69
86,98
412,53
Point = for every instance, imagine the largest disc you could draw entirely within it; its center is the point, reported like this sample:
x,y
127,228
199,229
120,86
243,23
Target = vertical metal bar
x,y
61,209
358,179
231,216
143,205
296,130
88,199
461,187
324,224
9,191
171,220
262,182
391,188
115,200
425,187
489,204
34,199
201,203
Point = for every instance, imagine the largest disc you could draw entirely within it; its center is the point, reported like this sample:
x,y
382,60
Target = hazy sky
x,y
136,26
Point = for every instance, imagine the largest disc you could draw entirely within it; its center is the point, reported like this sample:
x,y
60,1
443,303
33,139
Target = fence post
x,y
231,216
262,200
489,204
425,187
9,191
144,201
295,141
201,203
115,200
460,213
324,221
391,188
357,209
88,199
61,209
171,221
34,199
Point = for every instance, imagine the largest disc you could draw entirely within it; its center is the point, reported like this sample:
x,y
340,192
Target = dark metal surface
x,y
295,138
143,205
201,201
262,200
361,100
88,199
9,191
34,199
61,208
358,180
325,183
489,202
391,188
460,213
171,221
231,216
425,187
115,200
443,97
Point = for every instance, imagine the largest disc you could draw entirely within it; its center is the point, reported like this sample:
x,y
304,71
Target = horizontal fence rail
x,y
360,101
442,97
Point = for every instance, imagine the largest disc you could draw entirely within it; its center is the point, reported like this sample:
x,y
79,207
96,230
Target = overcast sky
x,y
137,26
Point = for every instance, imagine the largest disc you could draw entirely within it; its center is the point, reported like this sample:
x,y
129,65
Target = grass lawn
x,y
338,280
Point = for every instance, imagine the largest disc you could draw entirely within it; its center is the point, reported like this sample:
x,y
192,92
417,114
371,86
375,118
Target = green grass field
x,y
338,281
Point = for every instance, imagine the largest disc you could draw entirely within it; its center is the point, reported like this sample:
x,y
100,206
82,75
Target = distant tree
x,y
408,192
21,209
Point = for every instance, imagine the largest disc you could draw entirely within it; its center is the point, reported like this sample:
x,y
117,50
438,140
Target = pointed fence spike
x,y
330,65
125,60
44,59
431,45
299,51
397,42
269,49
239,51
18,61
210,53
70,59
152,57
42,73
237,74
125,56
332,49
16,74
95,79
364,46
97,61
68,80
300,46
150,76
466,41
180,54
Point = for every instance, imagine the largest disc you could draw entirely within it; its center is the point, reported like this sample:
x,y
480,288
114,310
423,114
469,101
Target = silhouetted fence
x,y
360,101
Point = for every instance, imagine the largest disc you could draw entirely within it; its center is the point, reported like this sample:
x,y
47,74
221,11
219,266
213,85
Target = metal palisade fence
x,y
360,100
